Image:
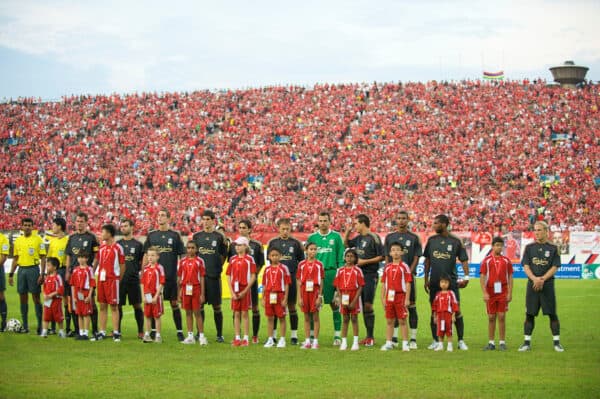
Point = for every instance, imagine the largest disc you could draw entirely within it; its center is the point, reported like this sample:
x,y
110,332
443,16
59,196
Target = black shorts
x,y
170,290
546,299
368,292
213,293
435,288
130,290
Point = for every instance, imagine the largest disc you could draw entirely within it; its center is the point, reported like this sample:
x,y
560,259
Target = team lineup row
x,y
330,269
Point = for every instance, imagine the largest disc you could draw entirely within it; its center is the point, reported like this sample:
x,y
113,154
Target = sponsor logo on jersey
x,y
441,255
539,262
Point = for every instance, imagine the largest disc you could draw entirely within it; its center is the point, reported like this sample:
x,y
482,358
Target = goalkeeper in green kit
x,y
330,252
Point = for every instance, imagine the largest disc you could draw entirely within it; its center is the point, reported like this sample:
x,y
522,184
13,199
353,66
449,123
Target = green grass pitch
x,y
32,367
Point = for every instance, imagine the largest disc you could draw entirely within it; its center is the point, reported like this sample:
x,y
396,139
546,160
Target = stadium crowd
x,y
483,153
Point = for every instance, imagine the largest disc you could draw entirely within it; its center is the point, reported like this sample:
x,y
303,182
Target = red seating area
x,y
473,150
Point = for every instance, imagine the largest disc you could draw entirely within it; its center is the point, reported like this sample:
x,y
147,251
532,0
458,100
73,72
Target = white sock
x,y
84,332
556,337
157,334
449,345
388,343
502,342
246,337
307,341
528,338
294,333
344,341
404,343
201,335
337,333
115,332
355,341
61,331
395,335
190,334
413,334
44,331
102,332
237,337
315,341
491,342
312,333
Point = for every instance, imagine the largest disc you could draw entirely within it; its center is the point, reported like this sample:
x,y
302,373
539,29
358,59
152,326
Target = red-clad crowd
x,y
478,152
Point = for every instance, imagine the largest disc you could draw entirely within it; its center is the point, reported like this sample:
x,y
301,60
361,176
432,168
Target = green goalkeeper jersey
x,y
330,249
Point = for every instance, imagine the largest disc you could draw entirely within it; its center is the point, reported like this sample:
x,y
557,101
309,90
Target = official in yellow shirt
x,y
28,253
4,251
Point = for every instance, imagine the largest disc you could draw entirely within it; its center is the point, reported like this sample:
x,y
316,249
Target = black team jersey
x,y
367,246
291,250
410,242
541,257
212,248
134,252
82,243
170,247
442,253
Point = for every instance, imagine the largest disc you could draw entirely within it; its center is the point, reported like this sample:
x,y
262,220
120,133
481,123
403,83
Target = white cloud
x,y
208,44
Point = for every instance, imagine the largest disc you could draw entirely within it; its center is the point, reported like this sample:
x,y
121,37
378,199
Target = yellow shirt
x,y
4,245
29,249
56,248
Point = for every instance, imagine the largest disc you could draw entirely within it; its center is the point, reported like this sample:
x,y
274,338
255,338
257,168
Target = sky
x,y
49,49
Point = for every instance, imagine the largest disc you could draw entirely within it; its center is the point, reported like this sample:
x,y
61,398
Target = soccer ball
x,y
13,325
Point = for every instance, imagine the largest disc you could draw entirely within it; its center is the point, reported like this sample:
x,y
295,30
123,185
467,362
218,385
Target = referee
x,y
441,253
412,252
28,251
541,261
370,252
212,248
171,247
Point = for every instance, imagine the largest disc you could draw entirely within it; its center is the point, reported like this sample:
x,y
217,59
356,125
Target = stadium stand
x,y
492,156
